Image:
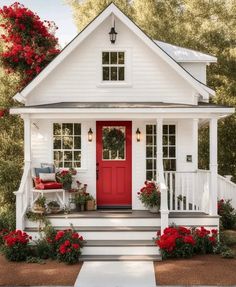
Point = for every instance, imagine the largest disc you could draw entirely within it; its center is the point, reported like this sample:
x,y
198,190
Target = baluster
x,y
171,191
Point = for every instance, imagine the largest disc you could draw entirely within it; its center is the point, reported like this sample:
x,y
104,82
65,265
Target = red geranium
x,y
150,194
16,245
184,242
68,245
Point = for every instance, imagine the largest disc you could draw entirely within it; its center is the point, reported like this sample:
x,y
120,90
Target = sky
x,y
52,10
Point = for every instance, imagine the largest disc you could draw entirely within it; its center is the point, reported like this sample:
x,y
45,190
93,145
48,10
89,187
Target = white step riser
x,y
190,222
118,235
120,250
100,222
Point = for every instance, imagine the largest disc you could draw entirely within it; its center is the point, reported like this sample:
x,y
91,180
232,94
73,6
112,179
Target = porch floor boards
x,y
129,214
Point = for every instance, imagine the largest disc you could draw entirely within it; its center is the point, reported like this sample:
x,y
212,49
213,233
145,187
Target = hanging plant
x,y
113,139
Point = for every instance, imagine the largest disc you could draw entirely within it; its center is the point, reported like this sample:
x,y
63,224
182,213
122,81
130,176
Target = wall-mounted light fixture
x,y
113,34
138,135
90,135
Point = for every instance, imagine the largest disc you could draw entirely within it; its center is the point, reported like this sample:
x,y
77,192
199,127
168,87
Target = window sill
x,y
114,85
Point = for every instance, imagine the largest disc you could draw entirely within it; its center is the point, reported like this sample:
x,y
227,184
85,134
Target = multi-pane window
x,y
67,144
113,66
169,149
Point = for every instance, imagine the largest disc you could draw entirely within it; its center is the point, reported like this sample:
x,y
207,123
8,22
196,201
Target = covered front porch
x,y
166,151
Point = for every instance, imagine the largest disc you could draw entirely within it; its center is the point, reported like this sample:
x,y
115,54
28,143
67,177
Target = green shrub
x,y
227,213
8,220
44,250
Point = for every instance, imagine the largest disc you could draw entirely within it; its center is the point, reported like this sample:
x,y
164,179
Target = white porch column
x,y
27,138
23,194
160,176
195,143
213,166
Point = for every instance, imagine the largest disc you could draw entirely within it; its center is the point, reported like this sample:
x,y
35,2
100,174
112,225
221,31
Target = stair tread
x,y
108,214
103,228
120,243
120,258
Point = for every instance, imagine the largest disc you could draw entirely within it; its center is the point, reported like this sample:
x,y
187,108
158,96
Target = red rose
x,y
67,243
75,246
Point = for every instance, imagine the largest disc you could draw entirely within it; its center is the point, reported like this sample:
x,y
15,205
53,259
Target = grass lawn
x,y
199,270
50,273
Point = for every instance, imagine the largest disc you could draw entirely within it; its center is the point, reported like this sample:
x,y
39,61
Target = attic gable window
x,y
113,66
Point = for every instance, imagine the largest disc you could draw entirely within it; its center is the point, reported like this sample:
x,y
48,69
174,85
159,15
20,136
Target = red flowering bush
x,y
30,43
67,245
227,213
184,242
205,240
16,245
150,194
176,242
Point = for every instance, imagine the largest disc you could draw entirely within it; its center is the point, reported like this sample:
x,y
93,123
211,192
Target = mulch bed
x,y
50,273
199,270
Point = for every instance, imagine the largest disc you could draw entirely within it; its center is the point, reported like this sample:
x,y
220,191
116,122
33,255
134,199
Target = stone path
x,y
116,274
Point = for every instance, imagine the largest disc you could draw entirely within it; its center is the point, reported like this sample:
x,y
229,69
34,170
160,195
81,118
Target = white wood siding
x,y
42,151
78,77
198,70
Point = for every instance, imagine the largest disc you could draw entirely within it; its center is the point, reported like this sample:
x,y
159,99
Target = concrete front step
x,y
116,243
120,258
121,250
120,247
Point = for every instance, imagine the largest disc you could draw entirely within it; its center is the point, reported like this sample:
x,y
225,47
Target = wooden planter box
x,y
90,205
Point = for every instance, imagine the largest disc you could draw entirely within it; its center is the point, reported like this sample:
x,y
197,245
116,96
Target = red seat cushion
x,y
48,185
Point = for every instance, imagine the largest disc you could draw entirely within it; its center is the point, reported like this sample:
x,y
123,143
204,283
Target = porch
x,y
168,140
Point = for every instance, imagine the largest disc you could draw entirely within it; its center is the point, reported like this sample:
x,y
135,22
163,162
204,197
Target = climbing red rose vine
x,y
29,43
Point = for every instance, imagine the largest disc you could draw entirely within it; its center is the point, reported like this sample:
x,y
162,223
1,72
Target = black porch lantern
x,y
90,135
113,34
138,134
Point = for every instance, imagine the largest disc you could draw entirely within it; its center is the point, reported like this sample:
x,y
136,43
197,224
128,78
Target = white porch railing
x,y
226,190
188,191
23,196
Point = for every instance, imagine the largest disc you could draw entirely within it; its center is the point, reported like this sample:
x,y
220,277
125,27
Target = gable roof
x,y
112,9
181,54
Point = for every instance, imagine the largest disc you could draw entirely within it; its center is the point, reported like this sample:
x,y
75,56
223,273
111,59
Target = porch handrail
x,y
226,189
24,178
22,196
188,191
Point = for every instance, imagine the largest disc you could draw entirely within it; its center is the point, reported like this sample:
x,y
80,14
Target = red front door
x,y
114,164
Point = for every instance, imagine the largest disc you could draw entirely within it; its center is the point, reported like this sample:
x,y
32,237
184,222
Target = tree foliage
x,y
30,44
27,45
204,25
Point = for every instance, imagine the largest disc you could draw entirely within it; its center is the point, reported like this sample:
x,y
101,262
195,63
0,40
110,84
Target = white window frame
x,y
127,66
153,170
71,150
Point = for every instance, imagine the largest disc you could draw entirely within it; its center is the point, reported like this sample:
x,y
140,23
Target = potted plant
x,y
80,201
54,206
150,196
65,177
40,204
90,202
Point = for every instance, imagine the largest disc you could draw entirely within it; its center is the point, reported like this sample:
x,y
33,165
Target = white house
x,y
155,95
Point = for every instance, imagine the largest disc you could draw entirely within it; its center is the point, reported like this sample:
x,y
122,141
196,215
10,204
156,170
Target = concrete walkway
x,y
116,274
